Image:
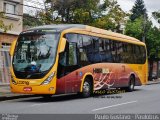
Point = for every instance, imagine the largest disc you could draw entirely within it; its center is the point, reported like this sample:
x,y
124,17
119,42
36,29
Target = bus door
x,y
68,63
72,75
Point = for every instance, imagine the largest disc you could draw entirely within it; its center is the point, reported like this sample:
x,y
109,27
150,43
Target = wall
x,y
16,20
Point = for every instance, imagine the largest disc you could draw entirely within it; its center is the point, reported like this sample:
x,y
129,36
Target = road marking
x,y
114,105
38,104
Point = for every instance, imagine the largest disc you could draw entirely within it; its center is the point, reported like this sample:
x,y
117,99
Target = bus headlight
x,y
13,81
48,80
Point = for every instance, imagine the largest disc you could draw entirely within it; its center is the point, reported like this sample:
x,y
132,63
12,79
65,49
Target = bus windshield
x,y
35,54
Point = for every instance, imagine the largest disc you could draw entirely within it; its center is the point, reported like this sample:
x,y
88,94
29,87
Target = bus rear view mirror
x,y
11,52
63,44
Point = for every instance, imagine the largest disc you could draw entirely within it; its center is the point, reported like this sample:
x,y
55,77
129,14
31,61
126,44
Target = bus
x,y
75,58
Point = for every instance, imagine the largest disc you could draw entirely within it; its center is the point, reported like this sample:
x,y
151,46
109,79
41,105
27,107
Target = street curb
x,y
154,83
3,85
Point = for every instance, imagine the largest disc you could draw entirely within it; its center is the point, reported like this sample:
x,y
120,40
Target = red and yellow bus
x,y
73,58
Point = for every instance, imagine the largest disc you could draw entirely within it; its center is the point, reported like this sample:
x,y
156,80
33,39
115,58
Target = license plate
x,y
27,89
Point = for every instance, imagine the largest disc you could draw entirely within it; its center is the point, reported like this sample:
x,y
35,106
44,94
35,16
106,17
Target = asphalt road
x,y
145,99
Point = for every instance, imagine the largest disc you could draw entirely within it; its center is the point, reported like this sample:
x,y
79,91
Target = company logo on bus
x,y
103,77
23,82
101,70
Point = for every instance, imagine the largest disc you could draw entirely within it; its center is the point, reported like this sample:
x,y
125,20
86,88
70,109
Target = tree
x,y
86,11
113,17
106,14
156,15
153,43
138,10
117,15
4,27
135,29
71,11
30,21
141,27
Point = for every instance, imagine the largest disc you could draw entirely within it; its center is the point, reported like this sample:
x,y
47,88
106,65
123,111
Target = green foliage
x,y
135,28
4,27
106,14
138,10
72,11
139,26
153,43
156,15
116,16
104,22
81,16
152,35
30,21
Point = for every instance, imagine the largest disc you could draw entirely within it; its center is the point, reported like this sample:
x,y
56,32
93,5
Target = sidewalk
x,y
5,93
154,81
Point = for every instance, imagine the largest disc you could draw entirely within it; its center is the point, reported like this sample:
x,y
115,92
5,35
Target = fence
x,y
4,66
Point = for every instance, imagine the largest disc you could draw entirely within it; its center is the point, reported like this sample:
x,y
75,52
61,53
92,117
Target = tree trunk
x,y
150,69
158,69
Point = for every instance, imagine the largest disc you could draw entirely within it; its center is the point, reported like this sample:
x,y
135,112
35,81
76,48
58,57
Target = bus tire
x,y
131,85
87,88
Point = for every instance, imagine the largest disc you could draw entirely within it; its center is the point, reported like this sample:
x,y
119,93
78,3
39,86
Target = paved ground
x,y
6,94
145,99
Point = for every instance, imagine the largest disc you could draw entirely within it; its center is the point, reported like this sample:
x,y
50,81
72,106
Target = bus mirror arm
x,y
63,44
11,52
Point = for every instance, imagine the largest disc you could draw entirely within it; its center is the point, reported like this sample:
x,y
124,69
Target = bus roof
x,y
61,27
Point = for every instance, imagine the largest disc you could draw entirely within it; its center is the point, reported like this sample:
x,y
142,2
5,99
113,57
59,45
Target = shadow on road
x,y
53,98
62,98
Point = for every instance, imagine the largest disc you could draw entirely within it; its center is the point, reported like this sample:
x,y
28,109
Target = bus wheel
x,y
130,88
87,88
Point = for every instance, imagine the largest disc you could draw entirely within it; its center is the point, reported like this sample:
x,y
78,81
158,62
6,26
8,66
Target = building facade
x,y
12,15
13,11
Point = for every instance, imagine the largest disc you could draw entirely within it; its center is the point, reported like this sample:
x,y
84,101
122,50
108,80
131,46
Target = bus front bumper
x,y
41,89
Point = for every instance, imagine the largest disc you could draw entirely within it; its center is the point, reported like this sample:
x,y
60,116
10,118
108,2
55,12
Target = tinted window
x,y
119,52
72,54
85,50
93,49
102,50
35,54
96,56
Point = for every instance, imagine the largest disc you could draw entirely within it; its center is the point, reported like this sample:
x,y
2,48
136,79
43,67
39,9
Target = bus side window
x,y
62,63
143,59
72,54
68,60
96,50
62,58
85,49
113,50
119,52
108,51
102,50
